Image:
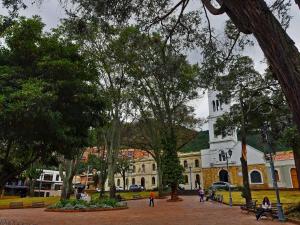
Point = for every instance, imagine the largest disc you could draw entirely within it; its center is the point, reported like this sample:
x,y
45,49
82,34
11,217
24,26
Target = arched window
x,y
277,176
214,106
143,168
255,177
143,181
185,165
133,181
153,180
133,169
118,182
186,179
153,167
217,105
197,181
196,163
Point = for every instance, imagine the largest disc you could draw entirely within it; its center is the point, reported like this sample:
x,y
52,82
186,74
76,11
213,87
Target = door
x,y
223,176
294,178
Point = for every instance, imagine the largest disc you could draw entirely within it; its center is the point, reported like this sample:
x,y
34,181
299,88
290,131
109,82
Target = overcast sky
x,y
51,13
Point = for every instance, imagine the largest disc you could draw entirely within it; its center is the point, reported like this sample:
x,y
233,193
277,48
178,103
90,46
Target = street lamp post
x,y
40,184
190,167
227,156
270,158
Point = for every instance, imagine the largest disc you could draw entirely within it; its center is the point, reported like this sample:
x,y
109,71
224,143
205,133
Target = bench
x,y
249,207
16,205
136,196
272,213
38,205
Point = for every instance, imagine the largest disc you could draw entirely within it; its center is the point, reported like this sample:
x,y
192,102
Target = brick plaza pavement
x,y
187,212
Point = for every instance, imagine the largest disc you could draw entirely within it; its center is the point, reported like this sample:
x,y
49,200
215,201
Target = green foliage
x,y
201,141
48,98
81,204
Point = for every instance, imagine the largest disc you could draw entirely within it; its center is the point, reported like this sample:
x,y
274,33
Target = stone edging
x,y
84,210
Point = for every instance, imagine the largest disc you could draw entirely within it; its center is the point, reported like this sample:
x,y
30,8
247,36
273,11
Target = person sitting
x,y
265,207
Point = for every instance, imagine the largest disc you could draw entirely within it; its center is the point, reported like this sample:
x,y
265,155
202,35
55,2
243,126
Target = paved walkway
x,y
187,212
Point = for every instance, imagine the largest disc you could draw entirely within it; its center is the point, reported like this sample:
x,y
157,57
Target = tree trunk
x,y
160,177
124,179
2,192
174,194
67,171
114,144
298,3
31,187
254,16
246,191
296,151
111,175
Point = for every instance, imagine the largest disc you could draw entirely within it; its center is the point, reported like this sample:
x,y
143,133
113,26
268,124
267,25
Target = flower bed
x,y
84,206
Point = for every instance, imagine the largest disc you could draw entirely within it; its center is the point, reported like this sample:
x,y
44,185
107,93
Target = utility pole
x,y
270,158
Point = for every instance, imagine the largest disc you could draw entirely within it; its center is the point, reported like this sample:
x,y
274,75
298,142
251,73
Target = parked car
x,y
221,185
135,187
181,187
119,188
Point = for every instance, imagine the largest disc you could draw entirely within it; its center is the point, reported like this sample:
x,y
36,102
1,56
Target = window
x,y
222,157
143,168
133,181
118,182
48,177
196,163
153,180
214,127
57,177
133,169
214,106
221,103
217,105
186,179
185,165
255,177
277,176
126,181
153,167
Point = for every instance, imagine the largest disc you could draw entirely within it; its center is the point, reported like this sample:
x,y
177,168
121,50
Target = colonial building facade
x,y
144,171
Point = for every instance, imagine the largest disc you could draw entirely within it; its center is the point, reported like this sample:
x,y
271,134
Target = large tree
x,y
163,82
48,100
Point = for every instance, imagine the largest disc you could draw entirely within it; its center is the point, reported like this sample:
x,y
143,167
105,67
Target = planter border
x,y
84,210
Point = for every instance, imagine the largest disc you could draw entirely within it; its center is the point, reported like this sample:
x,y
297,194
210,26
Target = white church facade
x,y
221,162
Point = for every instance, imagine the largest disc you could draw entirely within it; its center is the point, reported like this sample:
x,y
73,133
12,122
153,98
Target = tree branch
x,y
212,9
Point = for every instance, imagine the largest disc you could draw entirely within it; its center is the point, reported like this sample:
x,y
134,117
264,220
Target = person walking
x,y
151,199
201,194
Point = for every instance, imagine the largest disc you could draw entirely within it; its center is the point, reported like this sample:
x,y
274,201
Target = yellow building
x,y
144,171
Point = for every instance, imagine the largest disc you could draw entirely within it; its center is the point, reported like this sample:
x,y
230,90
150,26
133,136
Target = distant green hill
x,y
201,141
